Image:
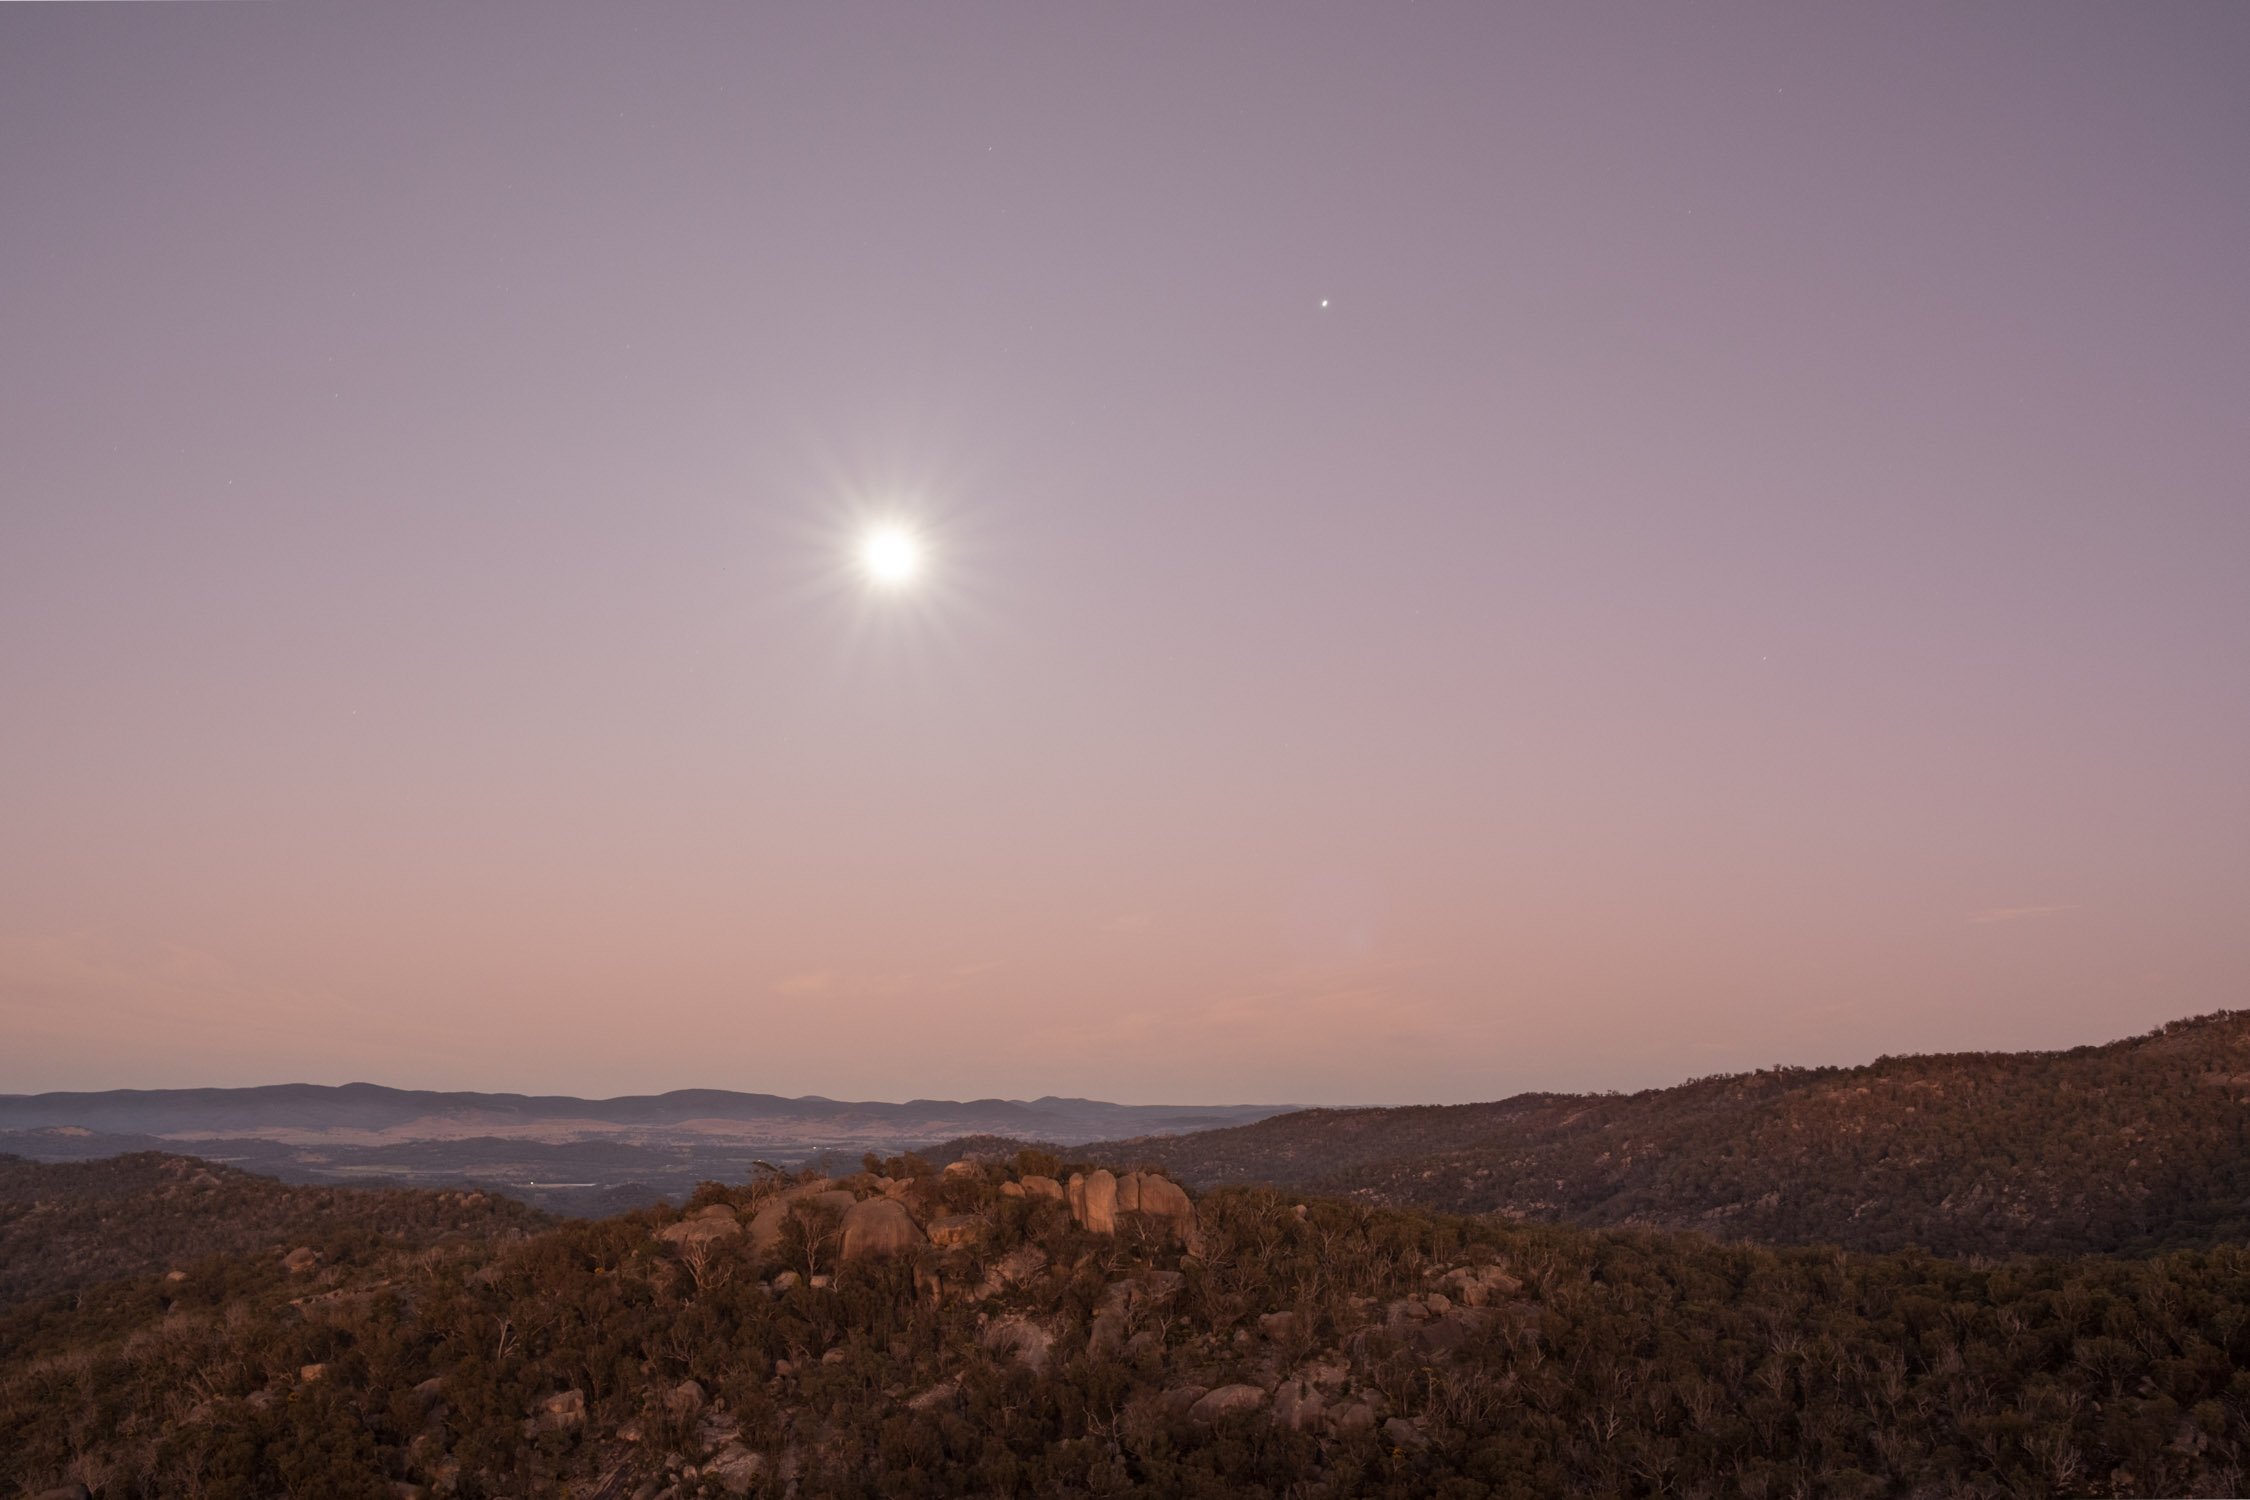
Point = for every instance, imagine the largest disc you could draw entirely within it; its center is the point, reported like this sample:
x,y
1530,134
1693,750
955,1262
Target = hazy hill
x,y
2135,1145
78,1223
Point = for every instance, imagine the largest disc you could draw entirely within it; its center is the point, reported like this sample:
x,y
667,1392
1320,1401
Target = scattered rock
x,y
1298,1406
1011,1190
1356,1416
736,1469
1148,1288
560,1412
1013,1269
175,1276
1180,1400
963,1168
936,1283
1477,1286
956,1230
786,1280
1401,1433
879,1226
1044,1187
1027,1342
716,1211
311,1372
684,1399
300,1260
1277,1326
1226,1401
943,1394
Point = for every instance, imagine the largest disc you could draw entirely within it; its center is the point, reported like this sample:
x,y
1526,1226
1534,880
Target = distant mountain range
x,y
292,1111
569,1154
2134,1146
2137,1145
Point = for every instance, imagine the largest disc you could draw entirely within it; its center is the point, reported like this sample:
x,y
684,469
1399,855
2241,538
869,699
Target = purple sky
x,y
1471,548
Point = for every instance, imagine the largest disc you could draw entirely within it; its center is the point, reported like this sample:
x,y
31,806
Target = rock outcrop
x,y
1013,1269
1299,1405
765,1224
956,1231
1022,1339
1477,1286
879,1226
717,1222
1226,1401
937,1398
1162,1199
1093,1201
736,1469
559,1412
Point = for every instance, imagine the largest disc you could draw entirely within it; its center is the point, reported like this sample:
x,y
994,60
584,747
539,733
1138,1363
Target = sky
x,y
1464,548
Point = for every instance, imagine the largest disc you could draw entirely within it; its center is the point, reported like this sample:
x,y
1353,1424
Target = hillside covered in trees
x,y
73,1224
2136,1146
991,1331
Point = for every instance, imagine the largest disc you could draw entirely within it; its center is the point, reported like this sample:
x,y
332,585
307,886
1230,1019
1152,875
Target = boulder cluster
x,y
1096,1200
879,1215
1322,1374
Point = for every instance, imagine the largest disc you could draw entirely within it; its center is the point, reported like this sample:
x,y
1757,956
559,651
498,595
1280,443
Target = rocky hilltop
x,y
1031,1327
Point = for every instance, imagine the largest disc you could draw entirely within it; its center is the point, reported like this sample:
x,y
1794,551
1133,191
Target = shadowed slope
x,y
2135,1145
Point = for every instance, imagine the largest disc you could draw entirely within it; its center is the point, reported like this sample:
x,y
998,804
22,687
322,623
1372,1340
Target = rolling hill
x,y
2134,1146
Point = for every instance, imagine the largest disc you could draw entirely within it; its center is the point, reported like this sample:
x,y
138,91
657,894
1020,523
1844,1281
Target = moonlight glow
x,y
890,555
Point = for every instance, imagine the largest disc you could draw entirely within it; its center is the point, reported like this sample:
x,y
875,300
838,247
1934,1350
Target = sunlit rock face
x,y
879,1226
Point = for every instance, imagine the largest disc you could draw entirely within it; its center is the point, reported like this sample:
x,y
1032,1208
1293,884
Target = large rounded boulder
x,y
879,1226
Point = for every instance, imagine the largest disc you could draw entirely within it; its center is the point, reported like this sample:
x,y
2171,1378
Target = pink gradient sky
x,y
1751,564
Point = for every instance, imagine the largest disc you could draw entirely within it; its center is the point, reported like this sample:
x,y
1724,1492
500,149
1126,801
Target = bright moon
x,y
890,555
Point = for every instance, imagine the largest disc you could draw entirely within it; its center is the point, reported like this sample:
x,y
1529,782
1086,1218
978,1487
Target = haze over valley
x,y
572,1155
